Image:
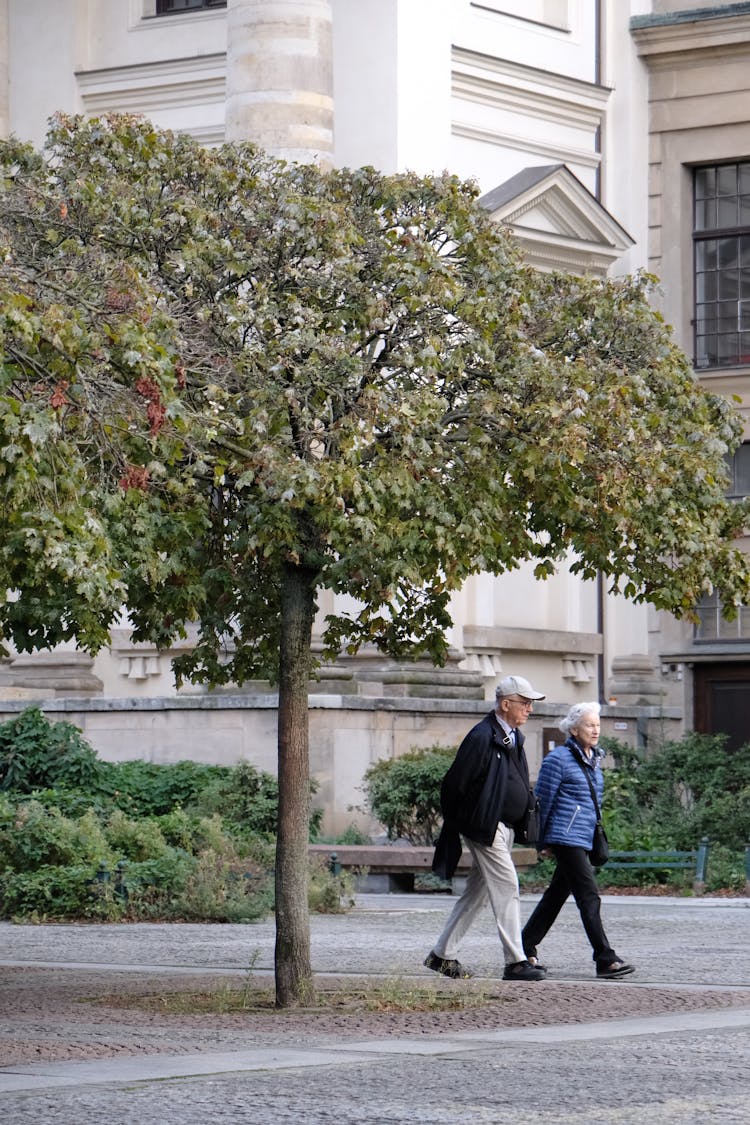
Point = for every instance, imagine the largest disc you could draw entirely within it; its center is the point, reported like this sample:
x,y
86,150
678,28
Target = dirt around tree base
x,y
66,1014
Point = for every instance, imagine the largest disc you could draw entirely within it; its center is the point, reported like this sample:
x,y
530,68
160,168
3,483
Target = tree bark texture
x,y
292,955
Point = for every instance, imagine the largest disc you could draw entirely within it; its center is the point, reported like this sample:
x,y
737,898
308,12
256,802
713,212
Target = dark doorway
x,y
722,701
551,737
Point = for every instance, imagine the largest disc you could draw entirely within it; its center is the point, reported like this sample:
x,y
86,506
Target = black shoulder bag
x,y
599,853
527,832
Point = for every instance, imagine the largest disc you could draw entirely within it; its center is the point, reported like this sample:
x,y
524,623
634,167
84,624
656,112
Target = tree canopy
x,y
229,383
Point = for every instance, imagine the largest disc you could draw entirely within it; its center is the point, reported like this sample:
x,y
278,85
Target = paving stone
x,y
669,1045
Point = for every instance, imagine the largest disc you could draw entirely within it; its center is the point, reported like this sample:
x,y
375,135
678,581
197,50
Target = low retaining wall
x,y
347,734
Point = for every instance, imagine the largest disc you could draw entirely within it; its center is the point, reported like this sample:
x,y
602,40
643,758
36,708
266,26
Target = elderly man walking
x,y
485,798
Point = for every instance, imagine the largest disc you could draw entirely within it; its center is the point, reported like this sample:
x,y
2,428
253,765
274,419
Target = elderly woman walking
x,y
568,812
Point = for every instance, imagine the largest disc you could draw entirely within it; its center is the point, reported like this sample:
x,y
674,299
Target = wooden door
x,y
722,701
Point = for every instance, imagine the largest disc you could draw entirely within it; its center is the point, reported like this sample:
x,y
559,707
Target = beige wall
x,y
346,736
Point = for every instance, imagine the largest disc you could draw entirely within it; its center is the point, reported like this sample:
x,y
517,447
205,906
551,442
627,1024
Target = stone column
x,y
280,77
635,680
61,672
4,101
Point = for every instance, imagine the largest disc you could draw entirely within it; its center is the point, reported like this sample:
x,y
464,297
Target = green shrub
x,y
32,836
678,793
154,886
38,754
135,839
50,893
726,869
246,797
328,893
404,793
72,802
352,834
248,801
219,891
151,789
195,833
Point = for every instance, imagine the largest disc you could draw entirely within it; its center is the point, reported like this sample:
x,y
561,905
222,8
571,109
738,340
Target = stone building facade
x,y
583,122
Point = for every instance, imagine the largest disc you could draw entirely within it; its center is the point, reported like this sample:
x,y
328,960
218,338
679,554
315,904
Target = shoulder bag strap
x,y
587,775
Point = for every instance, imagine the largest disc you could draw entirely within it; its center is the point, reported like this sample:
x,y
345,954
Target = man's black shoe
x,y
453,969
522,970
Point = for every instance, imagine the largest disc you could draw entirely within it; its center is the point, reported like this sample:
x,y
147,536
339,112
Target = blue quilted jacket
x,y
566,811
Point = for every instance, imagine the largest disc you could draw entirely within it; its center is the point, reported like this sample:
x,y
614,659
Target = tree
x,y
231,383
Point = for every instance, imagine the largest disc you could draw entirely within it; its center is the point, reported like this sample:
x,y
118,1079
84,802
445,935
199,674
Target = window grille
x,y
721,235
170,7
712,627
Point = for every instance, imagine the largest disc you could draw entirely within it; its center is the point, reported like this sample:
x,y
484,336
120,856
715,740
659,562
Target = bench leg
x,y
701,865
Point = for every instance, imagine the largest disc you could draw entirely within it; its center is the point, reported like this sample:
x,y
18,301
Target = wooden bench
x,y
397,865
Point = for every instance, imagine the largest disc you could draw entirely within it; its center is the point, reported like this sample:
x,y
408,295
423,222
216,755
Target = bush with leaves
x,y
152,788
248,800
54,762
218,890
33,836
404,793
38,754
678,793
80,838
246,797
328,892
53,892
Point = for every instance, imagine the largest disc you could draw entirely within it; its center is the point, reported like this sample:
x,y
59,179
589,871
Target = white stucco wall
x,y
482,90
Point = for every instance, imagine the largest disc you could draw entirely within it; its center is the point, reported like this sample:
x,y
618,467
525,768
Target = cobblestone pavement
x,y
670,1044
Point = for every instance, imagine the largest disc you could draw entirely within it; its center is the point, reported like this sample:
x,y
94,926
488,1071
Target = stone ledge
x,y
269,701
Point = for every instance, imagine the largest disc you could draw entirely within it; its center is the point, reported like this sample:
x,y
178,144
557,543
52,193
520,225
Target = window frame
x,y
738,466
190,7
707,311
723,632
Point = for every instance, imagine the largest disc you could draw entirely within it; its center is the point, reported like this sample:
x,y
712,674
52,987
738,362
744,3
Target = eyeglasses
x,y
529,703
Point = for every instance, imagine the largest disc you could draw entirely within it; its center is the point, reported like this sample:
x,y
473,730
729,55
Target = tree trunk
x,y
293,967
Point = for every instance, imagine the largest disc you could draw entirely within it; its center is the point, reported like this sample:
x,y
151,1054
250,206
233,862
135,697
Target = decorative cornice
x,y
723,36
556,153
517,75
691,15
501,85
150,87
494,638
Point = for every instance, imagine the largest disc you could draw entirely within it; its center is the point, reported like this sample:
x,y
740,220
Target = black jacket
x,y
473,791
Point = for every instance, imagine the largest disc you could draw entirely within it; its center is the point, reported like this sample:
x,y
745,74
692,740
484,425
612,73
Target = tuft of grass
x,y
392,995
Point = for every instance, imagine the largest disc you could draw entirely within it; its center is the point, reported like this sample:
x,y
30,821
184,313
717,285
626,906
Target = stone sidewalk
x,y
669,1044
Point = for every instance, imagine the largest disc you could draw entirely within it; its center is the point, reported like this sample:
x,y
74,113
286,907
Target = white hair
x,y
576,713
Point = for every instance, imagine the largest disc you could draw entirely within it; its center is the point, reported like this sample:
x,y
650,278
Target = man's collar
x,y
502,723
507,732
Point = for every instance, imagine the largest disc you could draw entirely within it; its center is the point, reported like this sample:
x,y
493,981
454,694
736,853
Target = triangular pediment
x,y
558,221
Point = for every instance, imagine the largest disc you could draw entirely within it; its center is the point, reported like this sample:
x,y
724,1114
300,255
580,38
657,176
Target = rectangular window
x,y
713,628
170,7
721,236
739,469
